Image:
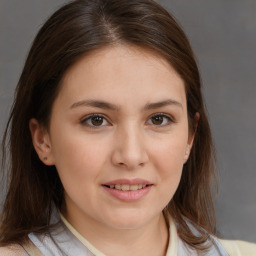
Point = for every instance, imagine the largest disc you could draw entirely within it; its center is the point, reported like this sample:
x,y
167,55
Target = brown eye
x,y
160,120
157,120
97,120
94,121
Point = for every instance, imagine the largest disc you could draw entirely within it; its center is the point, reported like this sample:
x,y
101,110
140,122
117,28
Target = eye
x,y
160,120
95,120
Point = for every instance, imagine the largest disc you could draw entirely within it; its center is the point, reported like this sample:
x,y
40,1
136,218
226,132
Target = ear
x,y
41,142
191,137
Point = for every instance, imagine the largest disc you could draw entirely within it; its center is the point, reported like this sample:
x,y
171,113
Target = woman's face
x,y
119,137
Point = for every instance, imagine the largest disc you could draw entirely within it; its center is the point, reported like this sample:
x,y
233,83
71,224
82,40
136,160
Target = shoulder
x,y
239,248
13,250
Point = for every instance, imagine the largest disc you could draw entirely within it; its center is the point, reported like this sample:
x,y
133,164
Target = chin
x,y
128,219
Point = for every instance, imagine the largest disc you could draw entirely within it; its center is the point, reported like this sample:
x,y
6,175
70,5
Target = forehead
x,y
122,73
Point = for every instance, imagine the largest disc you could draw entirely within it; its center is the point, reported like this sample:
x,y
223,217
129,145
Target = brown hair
x,y
73,31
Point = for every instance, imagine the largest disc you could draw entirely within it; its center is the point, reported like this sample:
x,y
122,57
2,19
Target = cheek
x,y
169,156
77,158
168,161
79,166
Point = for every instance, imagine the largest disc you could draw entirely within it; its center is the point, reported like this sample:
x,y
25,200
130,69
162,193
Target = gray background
x,y
223,35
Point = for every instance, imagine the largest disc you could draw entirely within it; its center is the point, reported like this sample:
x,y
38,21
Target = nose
x,y
129,148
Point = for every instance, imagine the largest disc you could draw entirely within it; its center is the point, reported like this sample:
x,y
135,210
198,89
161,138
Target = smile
x,y
128,190
127,187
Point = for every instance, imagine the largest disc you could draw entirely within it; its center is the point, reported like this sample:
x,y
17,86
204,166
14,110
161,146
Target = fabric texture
x,y
64,240
31,249
239,248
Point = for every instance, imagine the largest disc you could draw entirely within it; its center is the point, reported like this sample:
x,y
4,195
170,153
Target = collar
x,y
172,244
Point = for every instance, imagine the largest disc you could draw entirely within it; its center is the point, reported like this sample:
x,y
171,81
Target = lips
x,y
128,189
134,181
128,184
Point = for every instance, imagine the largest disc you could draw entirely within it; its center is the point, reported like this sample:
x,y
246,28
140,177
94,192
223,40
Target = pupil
x,y
97,120
157,120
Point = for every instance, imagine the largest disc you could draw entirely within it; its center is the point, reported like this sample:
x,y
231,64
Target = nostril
x,y
129,158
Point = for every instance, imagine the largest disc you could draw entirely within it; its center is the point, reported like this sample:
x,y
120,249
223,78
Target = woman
x,y
109,141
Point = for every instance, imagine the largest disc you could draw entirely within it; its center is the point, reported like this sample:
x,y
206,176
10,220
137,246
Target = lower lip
x,y
130,195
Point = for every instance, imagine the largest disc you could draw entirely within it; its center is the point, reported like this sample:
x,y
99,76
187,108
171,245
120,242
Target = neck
x,y
150,239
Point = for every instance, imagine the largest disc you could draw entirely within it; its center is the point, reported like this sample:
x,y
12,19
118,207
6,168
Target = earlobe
x,y
41,142
187,153
191,137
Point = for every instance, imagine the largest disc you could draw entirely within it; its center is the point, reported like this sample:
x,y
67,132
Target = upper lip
x,y
135,181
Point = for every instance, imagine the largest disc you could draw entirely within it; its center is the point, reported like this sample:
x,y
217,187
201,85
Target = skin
x,y
135,138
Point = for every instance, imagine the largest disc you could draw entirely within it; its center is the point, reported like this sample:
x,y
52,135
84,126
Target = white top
x,y
176,246
172,246
64,240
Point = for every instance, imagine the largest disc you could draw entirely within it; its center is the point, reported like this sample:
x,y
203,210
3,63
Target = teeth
x,y
126,187
134,187
118,187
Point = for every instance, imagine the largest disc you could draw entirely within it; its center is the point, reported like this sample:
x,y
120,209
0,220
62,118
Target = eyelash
x,y
85,120
168,120
167,117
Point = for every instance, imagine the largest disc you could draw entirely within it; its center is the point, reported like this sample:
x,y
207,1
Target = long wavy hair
x,y
73,31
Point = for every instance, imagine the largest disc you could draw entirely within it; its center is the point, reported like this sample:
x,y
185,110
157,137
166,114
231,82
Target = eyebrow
x,y
160,104
110,106
96,104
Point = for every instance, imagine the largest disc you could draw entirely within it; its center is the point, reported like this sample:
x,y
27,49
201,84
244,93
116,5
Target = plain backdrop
x,y
223,36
